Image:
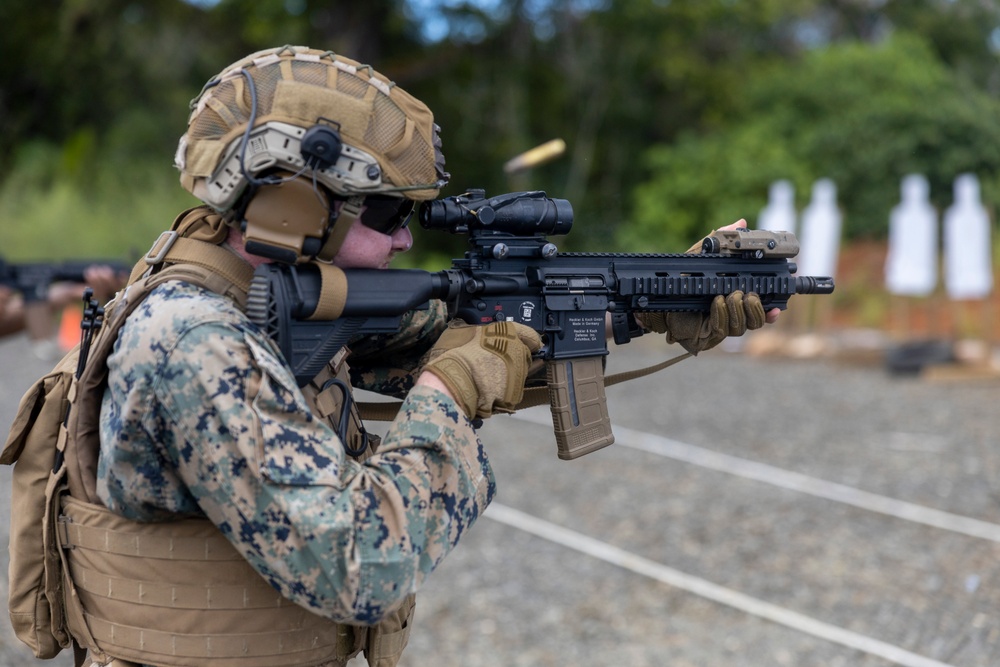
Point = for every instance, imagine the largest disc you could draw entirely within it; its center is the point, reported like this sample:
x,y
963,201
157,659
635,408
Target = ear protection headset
x,y
284,217
287,220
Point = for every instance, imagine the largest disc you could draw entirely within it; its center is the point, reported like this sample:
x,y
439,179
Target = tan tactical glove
x,y
484,367
696,332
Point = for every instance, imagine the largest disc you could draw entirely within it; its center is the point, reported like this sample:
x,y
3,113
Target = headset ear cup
x,y
321,146
286,221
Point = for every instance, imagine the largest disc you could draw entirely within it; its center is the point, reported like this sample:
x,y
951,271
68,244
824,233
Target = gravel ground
x,y
507,597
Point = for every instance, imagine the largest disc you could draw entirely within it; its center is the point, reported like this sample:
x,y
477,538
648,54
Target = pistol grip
x,y
579,408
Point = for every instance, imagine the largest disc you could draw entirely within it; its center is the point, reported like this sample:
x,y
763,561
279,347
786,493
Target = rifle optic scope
x,y
517,213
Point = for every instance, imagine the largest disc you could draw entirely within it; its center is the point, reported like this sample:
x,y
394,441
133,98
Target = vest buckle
x,y
63,524
161,246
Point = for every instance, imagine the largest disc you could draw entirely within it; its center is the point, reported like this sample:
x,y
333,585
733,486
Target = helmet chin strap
x,y
341,223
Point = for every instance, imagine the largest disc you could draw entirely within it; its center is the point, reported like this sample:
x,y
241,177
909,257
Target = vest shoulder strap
x,y
182,259
211,266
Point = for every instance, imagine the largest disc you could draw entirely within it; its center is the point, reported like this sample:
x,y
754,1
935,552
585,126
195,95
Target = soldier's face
x,y
365,248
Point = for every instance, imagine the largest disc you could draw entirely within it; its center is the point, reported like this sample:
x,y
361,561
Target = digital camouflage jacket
x,y
202,418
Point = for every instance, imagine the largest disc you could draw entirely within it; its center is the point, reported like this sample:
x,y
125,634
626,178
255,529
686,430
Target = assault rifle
x,y
511,271
32,279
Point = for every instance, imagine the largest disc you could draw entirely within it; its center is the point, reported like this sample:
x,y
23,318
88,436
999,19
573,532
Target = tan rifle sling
x,y
386,410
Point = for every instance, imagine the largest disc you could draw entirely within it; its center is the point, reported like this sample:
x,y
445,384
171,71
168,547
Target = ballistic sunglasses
x,y
386,214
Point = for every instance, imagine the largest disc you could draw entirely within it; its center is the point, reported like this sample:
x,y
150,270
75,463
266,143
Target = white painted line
x,y
786,479
706,589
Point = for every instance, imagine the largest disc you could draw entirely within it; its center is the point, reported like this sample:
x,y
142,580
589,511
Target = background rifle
x,y
511,271
32,279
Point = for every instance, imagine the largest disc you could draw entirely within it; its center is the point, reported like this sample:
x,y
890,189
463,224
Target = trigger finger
x,y
530,338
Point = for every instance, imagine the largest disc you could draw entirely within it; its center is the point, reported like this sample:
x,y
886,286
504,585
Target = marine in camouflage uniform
x,y
202,416
296,152
299,155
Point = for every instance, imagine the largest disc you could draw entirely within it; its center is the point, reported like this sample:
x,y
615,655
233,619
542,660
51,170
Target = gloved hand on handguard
x,y
732,315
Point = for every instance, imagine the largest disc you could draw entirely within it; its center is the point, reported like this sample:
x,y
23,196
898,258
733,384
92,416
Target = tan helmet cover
x,y
301,87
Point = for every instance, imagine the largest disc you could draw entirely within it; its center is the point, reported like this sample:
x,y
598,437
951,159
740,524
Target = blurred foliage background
x,y
677,114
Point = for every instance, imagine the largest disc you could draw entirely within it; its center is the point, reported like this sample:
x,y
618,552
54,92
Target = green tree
x,y
965,34
863,115
377,31
88,86
73,68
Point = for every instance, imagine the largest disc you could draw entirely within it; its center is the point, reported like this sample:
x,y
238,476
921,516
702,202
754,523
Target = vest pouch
x,y
35,594
387,640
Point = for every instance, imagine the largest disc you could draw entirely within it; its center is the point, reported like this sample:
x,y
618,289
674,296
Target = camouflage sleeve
x,y
387,363
343,539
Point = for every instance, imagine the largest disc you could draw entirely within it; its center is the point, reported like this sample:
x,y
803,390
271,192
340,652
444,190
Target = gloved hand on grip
x,y
728,316
484,367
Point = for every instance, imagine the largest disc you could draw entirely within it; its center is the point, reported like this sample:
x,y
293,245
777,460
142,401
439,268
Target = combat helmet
x,y
276,137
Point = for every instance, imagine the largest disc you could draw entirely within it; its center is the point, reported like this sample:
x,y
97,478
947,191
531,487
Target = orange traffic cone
x,y
69,327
